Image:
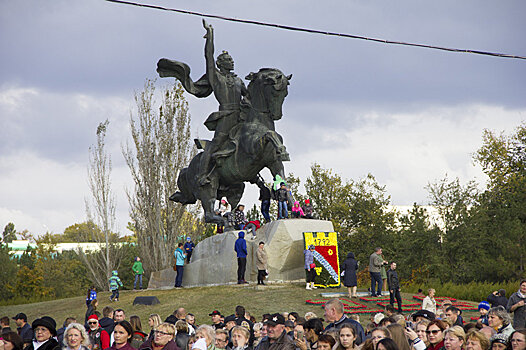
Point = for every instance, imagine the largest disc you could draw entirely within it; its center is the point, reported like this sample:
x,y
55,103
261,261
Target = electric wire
x,y
315,31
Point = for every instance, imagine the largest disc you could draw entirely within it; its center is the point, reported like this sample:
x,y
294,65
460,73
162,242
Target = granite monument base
x,y
214,261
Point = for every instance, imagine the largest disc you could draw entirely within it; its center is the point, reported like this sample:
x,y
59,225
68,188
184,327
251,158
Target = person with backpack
x,y
114,282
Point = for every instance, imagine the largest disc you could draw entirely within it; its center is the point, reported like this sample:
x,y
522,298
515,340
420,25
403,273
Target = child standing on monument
x,y
281,197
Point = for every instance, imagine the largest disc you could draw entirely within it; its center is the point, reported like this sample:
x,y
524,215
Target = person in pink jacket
x,y
297,212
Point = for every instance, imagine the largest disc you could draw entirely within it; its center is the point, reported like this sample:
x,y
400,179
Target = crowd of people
x,y
443,329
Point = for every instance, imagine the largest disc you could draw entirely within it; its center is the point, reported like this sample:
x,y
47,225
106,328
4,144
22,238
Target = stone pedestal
x,y
214,261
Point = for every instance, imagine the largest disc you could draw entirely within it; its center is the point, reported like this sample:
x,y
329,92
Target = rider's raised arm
x,y
209,51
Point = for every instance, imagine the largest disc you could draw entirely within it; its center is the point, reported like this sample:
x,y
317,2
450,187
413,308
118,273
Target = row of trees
x,y
483,233
43,274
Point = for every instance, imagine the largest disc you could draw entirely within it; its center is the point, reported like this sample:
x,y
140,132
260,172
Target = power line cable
x,y
315,31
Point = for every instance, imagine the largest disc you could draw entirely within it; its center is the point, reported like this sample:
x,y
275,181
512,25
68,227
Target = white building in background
x,y
18,247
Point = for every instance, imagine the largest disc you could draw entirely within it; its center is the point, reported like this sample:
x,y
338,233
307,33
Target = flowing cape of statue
x,y
181,71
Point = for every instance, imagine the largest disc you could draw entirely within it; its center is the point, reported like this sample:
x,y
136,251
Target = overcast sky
x,y
407,115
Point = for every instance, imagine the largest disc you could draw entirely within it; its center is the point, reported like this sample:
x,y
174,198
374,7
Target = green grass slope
x,y
199,300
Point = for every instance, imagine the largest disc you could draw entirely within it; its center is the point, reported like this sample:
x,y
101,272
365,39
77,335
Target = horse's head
x,y
267,91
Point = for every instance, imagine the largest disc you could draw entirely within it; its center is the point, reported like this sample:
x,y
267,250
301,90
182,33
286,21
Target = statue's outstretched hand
x,y
208,27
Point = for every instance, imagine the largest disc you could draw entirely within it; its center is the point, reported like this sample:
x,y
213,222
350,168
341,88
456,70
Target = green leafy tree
x,y
7,273
28,258
357,209
86,231
463,238
254,214
9,234
503,160
418,251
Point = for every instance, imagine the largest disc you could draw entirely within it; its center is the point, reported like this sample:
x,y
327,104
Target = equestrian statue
x,y
245,140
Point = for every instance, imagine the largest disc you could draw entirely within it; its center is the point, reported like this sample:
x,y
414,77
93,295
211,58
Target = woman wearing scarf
x,y
516,305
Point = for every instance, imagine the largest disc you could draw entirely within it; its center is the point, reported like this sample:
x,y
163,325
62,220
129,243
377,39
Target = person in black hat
x,y
45,329
277,337
24,329
423,314
216,319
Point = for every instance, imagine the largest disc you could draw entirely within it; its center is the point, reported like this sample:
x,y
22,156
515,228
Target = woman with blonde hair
x,y
454,338
163,338
208,333
153,321
378,334
76,338
420,329
240,338
476,340
429,302
399,337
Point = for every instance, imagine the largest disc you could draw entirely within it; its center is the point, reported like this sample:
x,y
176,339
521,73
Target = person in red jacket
x,y
99,338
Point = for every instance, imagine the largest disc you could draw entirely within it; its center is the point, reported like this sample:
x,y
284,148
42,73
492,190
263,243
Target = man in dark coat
x,y
394,287
334,314
350,265
264,197
107,322
497,298
277,338
24,329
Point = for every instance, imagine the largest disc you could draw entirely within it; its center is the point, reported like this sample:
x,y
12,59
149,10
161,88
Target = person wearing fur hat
x,y
45,329
483,310
499,342
99,338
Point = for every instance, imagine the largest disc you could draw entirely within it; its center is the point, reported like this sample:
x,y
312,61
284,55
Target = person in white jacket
x,y
429,302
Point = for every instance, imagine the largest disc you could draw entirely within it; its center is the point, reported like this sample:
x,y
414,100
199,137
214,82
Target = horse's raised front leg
x,y
208,196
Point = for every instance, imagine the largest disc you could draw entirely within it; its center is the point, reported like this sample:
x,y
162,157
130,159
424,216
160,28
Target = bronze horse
x,y
253,144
